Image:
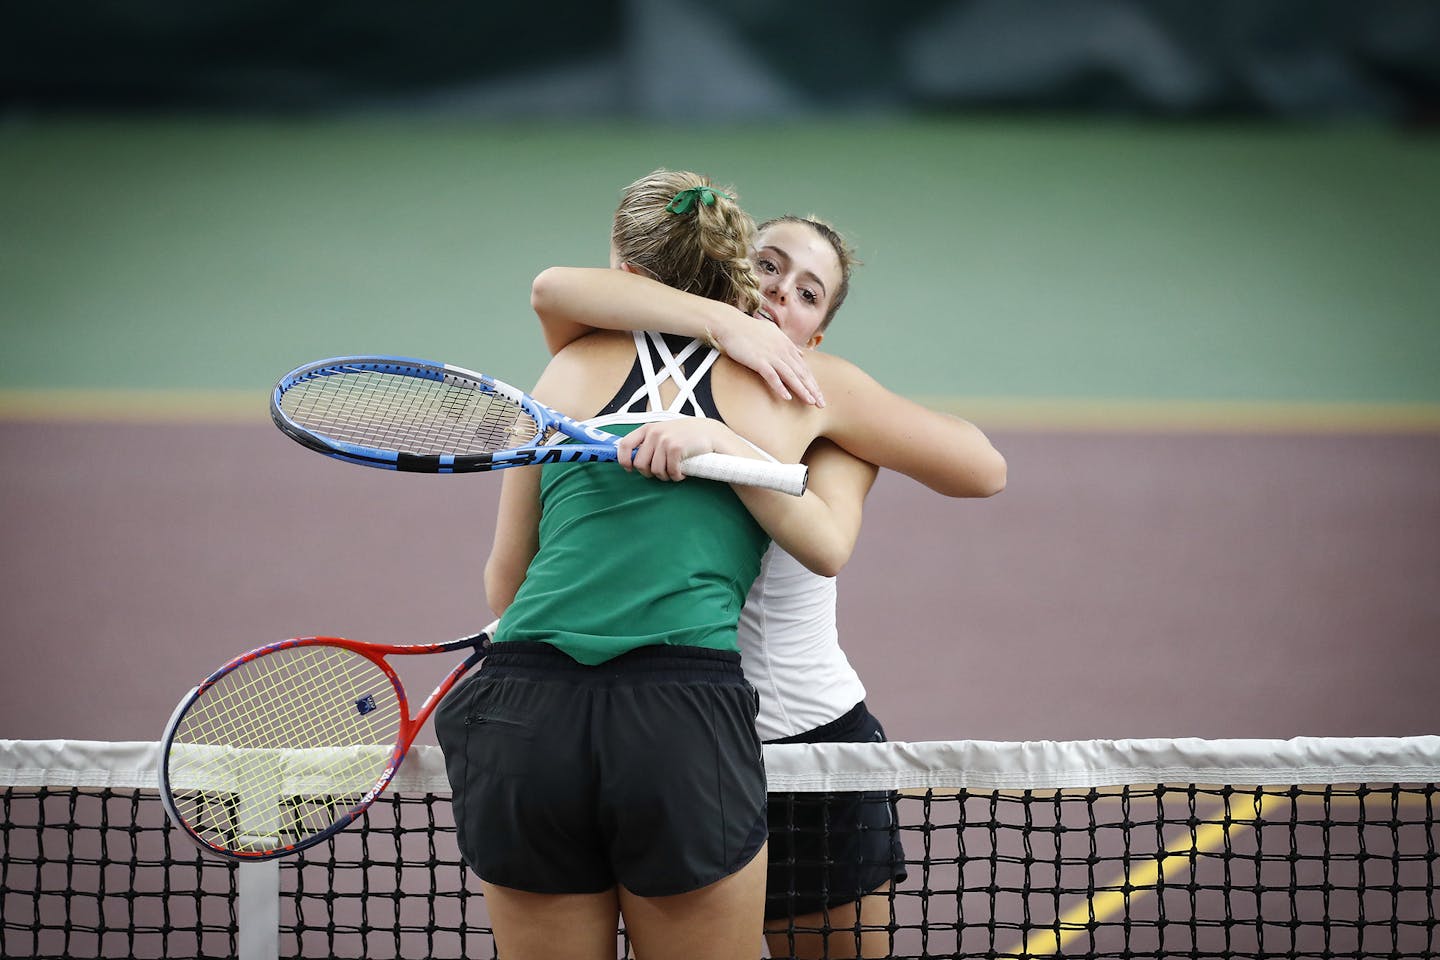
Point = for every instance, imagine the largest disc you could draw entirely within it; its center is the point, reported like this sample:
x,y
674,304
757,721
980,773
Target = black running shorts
x,y
645,771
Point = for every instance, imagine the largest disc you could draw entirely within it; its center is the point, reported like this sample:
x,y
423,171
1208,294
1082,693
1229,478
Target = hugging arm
x,y
574,301
824,540
949,455
818,528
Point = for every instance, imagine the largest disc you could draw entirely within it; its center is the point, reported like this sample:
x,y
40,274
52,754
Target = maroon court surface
x,y
1125,585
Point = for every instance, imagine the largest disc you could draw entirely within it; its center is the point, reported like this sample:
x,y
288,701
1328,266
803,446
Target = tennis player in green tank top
x,y
604,760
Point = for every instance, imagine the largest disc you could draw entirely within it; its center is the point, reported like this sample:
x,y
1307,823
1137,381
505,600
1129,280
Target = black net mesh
x,y
1175,870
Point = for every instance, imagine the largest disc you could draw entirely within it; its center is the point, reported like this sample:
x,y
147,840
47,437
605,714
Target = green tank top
x,y
627,562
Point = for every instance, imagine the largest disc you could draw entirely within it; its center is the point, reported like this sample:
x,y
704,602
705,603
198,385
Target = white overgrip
x,y
786,477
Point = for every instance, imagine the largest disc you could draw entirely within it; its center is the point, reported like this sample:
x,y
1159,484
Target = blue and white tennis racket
x,y
404,414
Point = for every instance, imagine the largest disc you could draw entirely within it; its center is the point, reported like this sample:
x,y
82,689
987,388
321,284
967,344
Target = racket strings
x,y
408,414
257,758
234,721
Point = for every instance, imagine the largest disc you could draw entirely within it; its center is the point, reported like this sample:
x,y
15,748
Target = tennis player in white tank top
x,y
788,634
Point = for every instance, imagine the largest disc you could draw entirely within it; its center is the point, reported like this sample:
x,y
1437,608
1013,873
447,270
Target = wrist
x,y
717,322
727,441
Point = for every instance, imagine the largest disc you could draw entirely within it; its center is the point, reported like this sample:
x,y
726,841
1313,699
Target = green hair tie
x,y
685,199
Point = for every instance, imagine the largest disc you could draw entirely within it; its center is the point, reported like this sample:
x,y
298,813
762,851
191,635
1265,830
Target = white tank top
x,y
790,649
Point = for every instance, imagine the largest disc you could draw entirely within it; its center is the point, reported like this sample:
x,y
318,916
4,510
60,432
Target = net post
x,y
257,910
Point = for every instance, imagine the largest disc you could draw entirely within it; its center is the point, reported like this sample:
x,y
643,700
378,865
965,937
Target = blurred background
x,y
1181,261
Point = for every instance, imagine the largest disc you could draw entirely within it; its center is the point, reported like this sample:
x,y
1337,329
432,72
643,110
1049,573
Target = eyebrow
x,y
789,259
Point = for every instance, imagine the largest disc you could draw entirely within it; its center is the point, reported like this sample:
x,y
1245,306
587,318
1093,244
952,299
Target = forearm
x,y
955,458
949,455
805,527
572,301
818,529
516,537
500,587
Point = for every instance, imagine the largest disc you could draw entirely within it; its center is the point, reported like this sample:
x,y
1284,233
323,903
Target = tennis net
x,y
1138,848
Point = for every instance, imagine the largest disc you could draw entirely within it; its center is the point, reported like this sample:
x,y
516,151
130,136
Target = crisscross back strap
x,y
658,364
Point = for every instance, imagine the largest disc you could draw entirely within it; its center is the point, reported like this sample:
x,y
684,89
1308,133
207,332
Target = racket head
x,y
402,413
283,747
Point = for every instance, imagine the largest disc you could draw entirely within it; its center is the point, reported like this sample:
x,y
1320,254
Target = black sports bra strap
x,y
658,358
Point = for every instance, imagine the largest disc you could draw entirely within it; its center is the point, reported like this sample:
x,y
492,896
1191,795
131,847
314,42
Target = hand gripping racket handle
x,y
786,477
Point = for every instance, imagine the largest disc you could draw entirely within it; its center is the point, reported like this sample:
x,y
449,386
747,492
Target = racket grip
x,y
786,477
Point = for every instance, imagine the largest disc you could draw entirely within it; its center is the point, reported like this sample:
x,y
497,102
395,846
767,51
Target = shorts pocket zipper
x,y
474,719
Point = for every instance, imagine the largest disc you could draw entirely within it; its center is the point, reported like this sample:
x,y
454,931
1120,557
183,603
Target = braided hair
x,y
700,243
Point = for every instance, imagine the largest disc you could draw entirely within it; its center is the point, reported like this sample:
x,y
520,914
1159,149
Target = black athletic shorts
x,y
645,771
830,849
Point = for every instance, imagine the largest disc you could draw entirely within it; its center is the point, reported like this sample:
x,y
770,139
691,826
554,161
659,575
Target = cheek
x,y
790,328
813,318
801,329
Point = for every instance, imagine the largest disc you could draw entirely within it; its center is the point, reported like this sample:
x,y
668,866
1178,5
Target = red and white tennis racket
x,y
286,745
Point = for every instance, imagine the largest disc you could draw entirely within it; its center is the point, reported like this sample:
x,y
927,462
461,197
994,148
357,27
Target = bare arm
x,y
819,528
517,537
563,384
821,536
574,301
949,455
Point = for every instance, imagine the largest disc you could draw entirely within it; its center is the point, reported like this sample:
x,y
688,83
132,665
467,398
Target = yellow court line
x,y
136,406
1138,880
990,413
1143,877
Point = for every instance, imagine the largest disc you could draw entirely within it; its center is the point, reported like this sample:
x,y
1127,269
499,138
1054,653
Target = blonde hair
x,y
844,253
704,251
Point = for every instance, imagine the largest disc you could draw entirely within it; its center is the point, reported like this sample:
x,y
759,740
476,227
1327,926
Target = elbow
x,y
992,480
824,566
828,560
542,289
979,479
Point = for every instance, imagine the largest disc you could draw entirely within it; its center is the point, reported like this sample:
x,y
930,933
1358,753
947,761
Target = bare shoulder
x,y
600,346
782,428
582,377
836,373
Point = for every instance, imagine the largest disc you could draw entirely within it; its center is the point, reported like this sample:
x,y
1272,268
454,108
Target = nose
x,y
775,290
